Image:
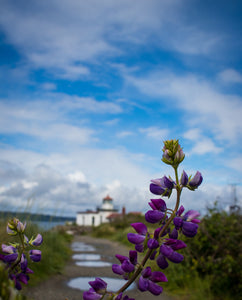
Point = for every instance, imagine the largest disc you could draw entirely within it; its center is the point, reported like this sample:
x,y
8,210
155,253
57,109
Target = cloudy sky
x,y
90,89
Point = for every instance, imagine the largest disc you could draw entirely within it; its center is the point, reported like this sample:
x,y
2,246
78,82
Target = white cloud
x,y
123,134
51,119
63,36
77,177
206,107
155,132
230,76
201,144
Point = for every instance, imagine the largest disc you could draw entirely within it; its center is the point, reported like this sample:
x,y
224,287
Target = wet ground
x,y
91,258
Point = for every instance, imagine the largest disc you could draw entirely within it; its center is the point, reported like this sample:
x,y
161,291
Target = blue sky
x,y
90,89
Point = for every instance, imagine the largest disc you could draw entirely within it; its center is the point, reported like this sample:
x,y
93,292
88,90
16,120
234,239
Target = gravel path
x,y
56,287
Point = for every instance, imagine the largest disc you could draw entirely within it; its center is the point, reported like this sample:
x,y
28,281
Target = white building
x,y
95,218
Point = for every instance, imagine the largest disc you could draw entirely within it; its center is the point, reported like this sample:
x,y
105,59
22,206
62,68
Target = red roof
x,y
108,198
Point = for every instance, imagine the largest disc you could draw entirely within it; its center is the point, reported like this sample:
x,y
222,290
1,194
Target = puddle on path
x,y
93,263
114,284
82,247
86,256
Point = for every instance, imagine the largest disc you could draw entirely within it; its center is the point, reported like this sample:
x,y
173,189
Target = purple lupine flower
x,y
97,290
187,223
91,295
173,234
37,241
195,181
139,237
162,186
24,265
127,264
148,280
158,204
11,253
184,179
168,251
158,212
35,255
152,244
20,227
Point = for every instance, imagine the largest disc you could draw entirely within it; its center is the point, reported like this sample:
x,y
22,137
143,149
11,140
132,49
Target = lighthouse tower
x,y
107,204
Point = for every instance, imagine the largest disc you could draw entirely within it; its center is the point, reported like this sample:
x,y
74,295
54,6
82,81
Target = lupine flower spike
x,y
163,244
14,255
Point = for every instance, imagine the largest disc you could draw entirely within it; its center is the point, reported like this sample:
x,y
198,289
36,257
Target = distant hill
x,y
34,217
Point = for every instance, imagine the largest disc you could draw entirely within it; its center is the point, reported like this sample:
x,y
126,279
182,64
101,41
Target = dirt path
x,y
56,287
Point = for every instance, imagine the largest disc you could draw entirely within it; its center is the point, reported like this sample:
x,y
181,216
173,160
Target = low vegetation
x,y
211,268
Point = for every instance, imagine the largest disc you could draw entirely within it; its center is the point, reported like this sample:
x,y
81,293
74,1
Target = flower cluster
x,y
162,245
14,255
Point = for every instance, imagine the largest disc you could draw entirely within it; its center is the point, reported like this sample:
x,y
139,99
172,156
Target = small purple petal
x,y
139,247
121,258
152,244
133,256
117,269
127,266
178,222
152,206
165,250
184,179
140,228
175,244
180,210
135,238
143,284
154,288
154,216
158,276
173,234
147,272
8,249
189,229
23,278
11,257
159,204
191,214
162,262
35,255
38,240
167,183
91,295
175,257
157,190
98,285
196,180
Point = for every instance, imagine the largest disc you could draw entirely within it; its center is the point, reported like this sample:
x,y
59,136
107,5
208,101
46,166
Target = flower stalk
x,y
163,244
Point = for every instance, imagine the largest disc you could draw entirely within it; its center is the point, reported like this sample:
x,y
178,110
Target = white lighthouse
x,y
95,218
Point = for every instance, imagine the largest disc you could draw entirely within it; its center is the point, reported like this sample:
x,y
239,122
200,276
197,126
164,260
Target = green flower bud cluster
x,y
172,153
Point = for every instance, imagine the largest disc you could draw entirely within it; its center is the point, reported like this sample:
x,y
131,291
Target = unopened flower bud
x,y
20,227
195,181
172,153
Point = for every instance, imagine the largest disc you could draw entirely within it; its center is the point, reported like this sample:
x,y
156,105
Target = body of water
x,y
46,225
